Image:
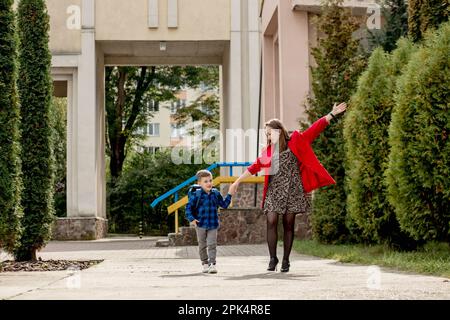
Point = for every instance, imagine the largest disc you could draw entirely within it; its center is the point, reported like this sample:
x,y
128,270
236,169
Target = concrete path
x,y
136,269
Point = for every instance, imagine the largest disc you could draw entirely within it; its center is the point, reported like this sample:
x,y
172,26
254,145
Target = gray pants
x,y
207,239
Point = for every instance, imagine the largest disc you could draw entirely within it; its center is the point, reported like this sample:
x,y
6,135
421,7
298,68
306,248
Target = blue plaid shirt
x,y
207,209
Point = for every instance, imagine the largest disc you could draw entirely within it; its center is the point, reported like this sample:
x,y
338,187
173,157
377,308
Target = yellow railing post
x,y
176,221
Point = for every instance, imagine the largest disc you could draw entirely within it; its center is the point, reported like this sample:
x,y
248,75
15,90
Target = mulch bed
x,y
46,265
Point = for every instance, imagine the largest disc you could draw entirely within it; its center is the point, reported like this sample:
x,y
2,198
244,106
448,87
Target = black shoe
x,y
273,264
285,266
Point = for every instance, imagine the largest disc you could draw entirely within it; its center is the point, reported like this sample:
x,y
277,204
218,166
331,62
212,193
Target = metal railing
x,y
179,203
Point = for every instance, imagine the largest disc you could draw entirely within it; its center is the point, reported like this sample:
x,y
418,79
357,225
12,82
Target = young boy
x,y
205,218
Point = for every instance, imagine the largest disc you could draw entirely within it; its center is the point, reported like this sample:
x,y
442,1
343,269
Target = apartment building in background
x,y
162,130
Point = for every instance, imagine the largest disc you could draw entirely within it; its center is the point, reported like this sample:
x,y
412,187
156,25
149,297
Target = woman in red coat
x,y
292,171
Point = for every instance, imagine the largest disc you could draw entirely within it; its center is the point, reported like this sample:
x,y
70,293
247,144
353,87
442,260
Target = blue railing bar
x,y
233,164
179,187
194,178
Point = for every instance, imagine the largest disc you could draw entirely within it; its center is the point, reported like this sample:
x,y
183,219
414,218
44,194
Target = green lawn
x,y
433,258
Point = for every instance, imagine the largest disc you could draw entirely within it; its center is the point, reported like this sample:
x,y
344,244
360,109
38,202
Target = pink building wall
x,y
286,75
288,35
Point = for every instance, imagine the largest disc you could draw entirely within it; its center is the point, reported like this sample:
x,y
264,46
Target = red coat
x,y
313,174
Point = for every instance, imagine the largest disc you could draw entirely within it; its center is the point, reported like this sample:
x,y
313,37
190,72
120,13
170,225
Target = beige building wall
x,y
128,20
65,26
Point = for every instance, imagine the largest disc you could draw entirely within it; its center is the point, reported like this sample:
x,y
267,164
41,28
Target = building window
x,y
153,150
153,106
153,129
173,130
177,132
175,105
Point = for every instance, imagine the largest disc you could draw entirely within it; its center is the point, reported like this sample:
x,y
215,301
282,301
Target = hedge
x,y
419,163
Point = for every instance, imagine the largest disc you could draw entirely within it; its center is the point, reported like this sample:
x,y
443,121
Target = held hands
x,y
233,188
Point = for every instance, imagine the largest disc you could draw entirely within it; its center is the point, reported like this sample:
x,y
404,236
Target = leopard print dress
x,y
285,191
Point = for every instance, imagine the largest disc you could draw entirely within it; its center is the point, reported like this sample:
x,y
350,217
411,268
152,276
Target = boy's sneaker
x,y
212,268
205,268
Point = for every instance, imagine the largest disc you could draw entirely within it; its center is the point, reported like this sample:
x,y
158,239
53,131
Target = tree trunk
x,y
117,139
26,255
119,133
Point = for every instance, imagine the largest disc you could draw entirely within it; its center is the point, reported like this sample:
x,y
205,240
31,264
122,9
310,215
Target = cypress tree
x,y
334,79
425,14
419,162
35,92
367,150
10,181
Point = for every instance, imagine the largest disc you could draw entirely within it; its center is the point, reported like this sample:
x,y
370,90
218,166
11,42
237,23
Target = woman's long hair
x,y
284,135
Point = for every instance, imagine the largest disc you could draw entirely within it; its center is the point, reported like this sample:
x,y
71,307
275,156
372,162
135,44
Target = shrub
x,y
10,180
35,93
424,15
419,162
334,79
367,150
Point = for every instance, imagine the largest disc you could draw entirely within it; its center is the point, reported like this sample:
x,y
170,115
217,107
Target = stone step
x,y
187,230
187,238
163,243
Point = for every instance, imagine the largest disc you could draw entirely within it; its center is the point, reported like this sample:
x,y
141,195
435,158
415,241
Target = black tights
x,y
272,233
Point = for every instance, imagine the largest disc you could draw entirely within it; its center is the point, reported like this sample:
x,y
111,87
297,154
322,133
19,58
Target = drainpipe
x,y
259,117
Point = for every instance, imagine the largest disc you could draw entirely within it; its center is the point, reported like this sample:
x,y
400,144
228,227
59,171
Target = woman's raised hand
x,y
339,108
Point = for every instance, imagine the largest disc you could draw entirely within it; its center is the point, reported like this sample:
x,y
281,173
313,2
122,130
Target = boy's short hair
x,y
203,173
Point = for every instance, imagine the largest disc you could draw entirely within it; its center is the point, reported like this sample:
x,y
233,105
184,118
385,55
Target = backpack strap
x,y
198,194
216,192
217,195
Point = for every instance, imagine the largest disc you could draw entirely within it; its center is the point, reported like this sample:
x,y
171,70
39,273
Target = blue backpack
x,y
196,191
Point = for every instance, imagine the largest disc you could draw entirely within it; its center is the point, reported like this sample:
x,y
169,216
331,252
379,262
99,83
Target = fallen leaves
x,y
46,265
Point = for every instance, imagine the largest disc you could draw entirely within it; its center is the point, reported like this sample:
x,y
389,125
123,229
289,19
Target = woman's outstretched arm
x,y
235,185
317,127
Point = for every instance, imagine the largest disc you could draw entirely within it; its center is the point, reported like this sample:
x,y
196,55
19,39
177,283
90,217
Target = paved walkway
x,y
136,269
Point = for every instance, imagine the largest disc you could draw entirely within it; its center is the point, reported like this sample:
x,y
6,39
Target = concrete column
x,y
86,127
86,215
231,70
240,81
254,69
100,142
